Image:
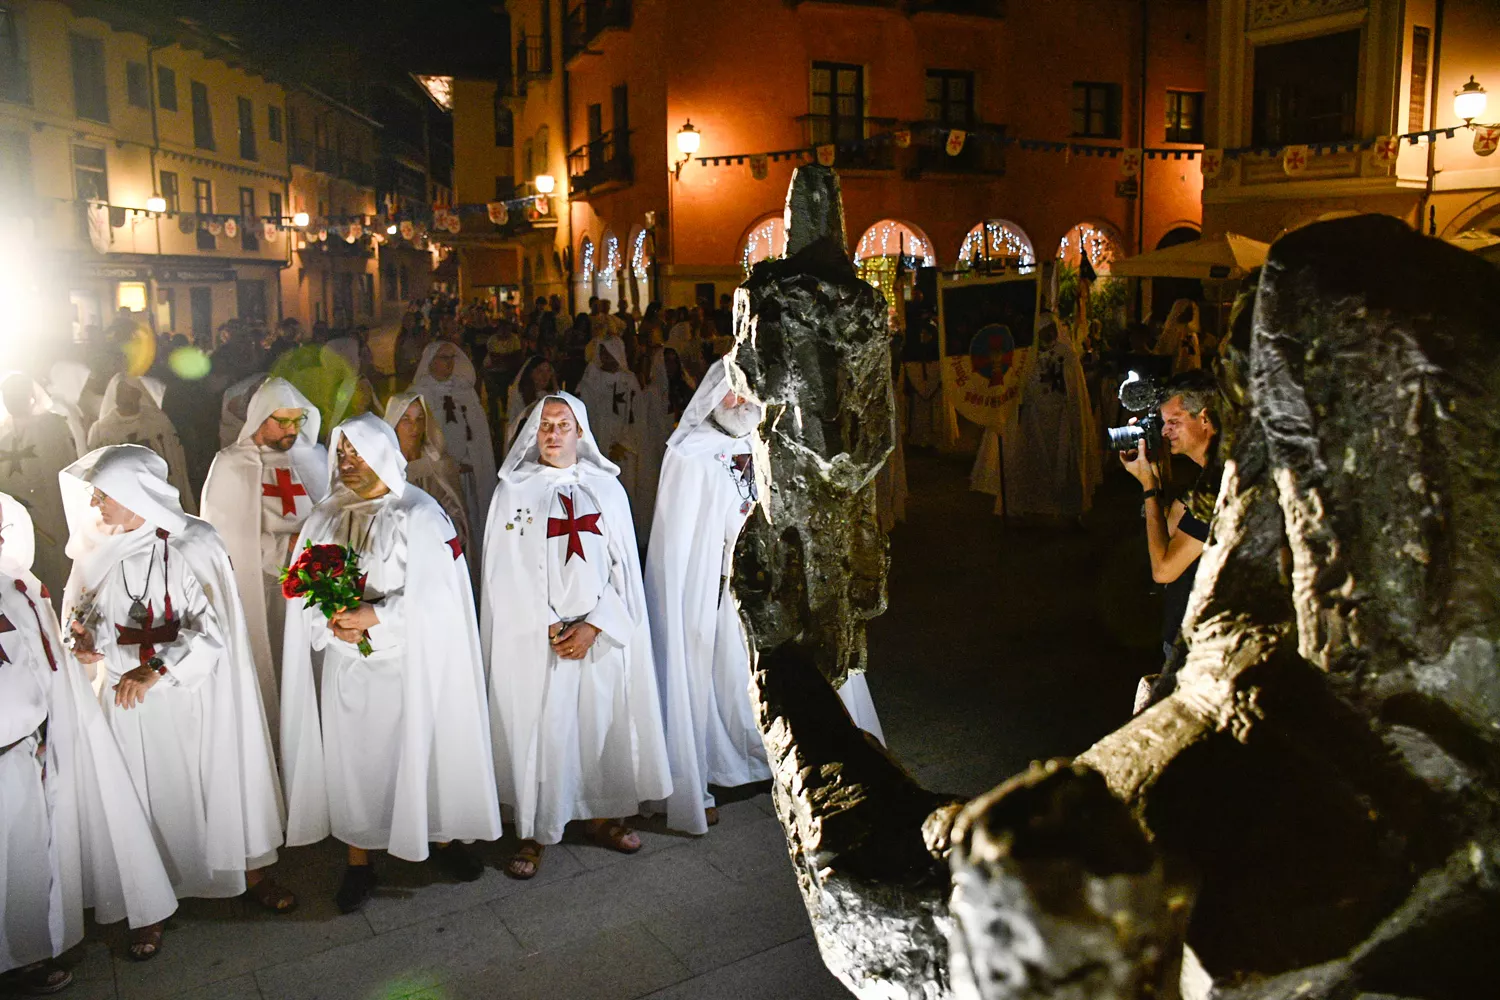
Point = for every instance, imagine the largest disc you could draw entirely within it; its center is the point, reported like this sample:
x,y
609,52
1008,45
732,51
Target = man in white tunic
x,y
153,608
575,715
35,445
72,832
610,391
395,756
445,379
429,467
258,492
131,414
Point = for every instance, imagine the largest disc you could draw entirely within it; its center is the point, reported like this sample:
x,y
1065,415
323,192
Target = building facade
x,y
1326,72
602,87
102,114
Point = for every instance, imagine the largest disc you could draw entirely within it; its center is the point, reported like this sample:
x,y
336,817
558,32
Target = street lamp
x,y
544,183
390,230
156,204
688,138
1469,101
301,220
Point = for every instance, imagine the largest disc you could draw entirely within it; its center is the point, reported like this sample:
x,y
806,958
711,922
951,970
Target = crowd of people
x,y
537,520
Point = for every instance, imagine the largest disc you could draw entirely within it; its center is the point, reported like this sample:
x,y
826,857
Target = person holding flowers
x,y
389,748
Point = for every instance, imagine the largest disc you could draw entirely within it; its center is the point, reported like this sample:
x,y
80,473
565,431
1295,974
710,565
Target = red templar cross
x,y
147,636
571,526
5,626
286,490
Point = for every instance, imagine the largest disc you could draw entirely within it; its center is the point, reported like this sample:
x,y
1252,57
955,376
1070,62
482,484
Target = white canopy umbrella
x,y
1227,256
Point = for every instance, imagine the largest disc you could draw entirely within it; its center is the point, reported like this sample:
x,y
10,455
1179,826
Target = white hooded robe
x,y
197,748
618,418
466,431
73,835
148,426
389,751
34,448
434,471
257,499
573,739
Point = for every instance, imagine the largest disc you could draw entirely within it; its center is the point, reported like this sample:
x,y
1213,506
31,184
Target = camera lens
x,y
1125,438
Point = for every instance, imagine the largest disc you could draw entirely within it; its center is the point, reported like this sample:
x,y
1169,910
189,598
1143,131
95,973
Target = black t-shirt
x,y
1174,606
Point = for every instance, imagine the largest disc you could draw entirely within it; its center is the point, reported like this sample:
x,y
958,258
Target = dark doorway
x,y
202,306
1165,291
252,300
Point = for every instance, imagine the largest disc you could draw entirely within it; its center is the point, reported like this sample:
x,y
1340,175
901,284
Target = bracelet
x,y
1153,491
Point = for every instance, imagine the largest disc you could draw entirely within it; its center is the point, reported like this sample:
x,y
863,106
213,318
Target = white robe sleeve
x,y
200,641
611,616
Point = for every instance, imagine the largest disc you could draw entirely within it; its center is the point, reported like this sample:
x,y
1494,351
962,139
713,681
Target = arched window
x,y
1098,239
1006,241
641,256
767,238
891,238
586,260
609,266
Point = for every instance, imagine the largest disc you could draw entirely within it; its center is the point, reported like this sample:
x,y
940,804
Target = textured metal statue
x,y
1316,810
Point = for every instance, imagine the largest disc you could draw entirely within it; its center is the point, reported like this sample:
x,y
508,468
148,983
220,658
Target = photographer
x,y
1174,536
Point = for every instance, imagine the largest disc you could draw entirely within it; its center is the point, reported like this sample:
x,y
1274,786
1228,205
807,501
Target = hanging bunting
x,y
901,137
1213,161
541,205
955,144
1385,151
1130,162
498,212
826,154
1486,138
215,227
269,232
1294,160
98,217
231,229
759,166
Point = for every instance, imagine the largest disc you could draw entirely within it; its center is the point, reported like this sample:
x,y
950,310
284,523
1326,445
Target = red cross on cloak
x,y
557,527
286,490
5,626
147,635
456,545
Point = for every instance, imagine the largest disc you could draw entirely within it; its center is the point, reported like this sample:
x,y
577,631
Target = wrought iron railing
x,y
533,59
824,129
981,154
602,161
587,19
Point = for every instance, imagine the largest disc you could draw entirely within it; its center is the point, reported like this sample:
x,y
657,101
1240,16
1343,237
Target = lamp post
x,y
688,138
1469,101
544,183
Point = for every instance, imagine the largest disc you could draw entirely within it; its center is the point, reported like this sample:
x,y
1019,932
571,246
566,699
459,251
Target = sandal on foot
x,y
526,862
38,979
358,883
271,896
457,861
612,834
711,816
145,943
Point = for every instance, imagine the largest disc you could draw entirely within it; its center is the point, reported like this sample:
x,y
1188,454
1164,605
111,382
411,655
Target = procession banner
x,y
986,329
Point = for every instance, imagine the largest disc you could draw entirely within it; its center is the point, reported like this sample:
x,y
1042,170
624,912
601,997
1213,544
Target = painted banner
x,y
986,328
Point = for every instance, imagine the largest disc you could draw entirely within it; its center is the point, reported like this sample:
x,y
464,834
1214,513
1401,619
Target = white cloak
x,y
611,399
197,749
257,499
76,838
233,408
149,426
397,754
1051,460
466,431
702,657
928,419
34,448
573,739
434,472
65,384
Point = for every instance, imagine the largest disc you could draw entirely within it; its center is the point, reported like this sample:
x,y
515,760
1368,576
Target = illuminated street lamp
x,y
688,139
545,183
156,204
301,220
390,230
1469,101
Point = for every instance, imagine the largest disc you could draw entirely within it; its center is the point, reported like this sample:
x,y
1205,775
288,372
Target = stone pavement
x,y
997,649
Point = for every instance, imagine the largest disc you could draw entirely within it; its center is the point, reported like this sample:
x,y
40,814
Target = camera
x,y
1139,395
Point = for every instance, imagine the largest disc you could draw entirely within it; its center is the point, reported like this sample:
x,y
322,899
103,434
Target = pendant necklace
x,y
137,611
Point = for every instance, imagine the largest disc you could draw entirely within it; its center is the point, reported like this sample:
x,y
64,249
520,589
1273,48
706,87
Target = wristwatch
x,y
157,664
1153,491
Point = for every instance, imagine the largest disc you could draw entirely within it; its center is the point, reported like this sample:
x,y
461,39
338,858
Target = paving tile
x,y
655,838
732,924
792,971
748,851
238,988
90,960
566,911
618,963
398,963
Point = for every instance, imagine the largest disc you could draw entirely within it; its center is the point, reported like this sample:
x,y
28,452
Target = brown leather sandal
x,y
145,943
271,896
526,862
611,834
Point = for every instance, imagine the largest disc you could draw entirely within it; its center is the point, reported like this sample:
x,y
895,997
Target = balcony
x,y
602,165
980,155
533,59
357,171
588,20
823,129
300,152
326,161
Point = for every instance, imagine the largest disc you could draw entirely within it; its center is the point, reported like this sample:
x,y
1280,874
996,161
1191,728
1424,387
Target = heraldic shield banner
x,y
986,329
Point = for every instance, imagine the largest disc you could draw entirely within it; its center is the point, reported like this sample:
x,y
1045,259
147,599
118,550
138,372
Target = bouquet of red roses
x,y
328,578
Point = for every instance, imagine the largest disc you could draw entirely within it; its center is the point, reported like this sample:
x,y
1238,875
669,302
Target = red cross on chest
x,y
571,526
285,490
5,626
147,636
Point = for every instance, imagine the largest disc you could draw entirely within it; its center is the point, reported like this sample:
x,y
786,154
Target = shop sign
x,y
115,272
198,274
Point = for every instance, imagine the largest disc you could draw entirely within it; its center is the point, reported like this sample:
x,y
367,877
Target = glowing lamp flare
x,y
545,183
1469,101
688,139
156,204
301,220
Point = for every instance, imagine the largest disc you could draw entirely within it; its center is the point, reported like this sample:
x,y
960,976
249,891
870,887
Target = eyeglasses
x,y
291,423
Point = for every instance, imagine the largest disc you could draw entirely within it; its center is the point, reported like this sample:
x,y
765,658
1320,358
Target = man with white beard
x,y
152,605
707,492
391,750
131,414
609,390
575,716
35,445
72,833
445,379
258,492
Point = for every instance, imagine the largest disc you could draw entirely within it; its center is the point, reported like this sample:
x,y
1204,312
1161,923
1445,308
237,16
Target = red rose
x,y
330,559
291,586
